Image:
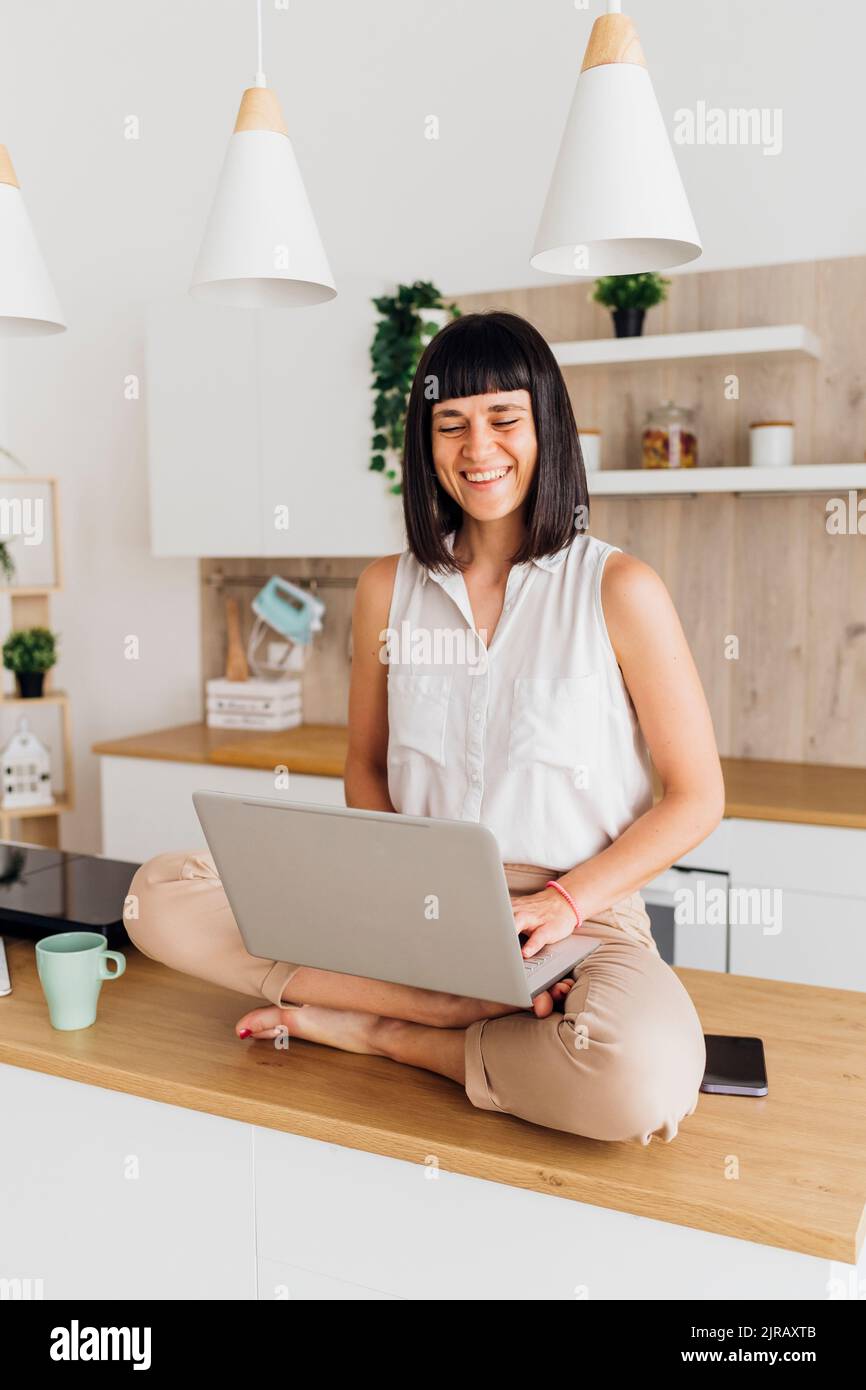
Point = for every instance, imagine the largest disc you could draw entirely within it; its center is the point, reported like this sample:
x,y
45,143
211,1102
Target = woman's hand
x,y
545,917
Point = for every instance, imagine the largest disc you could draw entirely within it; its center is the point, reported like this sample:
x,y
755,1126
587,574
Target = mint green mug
x,y
72,966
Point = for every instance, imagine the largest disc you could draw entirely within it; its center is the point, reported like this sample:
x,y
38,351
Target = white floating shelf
x,y
790,340
660,482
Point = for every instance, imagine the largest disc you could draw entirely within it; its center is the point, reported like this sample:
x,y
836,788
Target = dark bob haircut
x,y
475,356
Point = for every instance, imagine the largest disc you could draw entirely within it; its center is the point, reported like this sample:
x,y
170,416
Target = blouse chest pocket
x,y
555,720
417,714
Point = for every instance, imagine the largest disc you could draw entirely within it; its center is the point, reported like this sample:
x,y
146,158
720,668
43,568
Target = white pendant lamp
x,y
261,246
28,304
616,203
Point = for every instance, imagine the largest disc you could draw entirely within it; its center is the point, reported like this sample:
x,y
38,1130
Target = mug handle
x,y
120,961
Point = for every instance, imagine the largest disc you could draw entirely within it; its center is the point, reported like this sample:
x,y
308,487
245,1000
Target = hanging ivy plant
x,y
7,561
401,336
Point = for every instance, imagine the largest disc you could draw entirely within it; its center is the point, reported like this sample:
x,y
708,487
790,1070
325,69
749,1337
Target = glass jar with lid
x,y
669,438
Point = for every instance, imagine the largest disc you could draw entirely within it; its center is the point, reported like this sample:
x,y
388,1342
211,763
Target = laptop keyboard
x,y
531,966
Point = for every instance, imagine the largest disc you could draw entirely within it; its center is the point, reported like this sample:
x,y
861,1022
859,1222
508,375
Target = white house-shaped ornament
x,y
26,770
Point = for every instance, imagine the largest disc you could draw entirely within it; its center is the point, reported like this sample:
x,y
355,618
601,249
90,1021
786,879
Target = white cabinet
x,y
201,392
333,1223
316,404
279,1282
250,412
147,804
796,906
105,1195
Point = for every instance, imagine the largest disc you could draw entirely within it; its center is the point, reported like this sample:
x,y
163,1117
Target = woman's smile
x,y
485,479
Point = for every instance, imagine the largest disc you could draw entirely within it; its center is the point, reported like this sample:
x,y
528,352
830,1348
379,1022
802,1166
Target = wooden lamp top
x,y
7,173
613,40
260,110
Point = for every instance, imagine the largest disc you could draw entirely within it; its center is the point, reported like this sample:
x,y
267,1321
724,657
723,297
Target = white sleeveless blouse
x,y
536,737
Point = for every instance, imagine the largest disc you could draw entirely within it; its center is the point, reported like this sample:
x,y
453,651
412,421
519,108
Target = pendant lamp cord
x,y
614,6
261,80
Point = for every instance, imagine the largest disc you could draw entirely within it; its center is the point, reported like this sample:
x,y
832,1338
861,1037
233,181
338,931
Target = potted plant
x,y
407,322
628,297
30,652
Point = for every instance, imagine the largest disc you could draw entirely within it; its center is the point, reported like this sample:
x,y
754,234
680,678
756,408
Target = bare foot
x,y
549,1000
350,1031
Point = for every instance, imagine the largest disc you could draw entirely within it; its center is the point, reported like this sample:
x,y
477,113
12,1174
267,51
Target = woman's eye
x,y
450,429
500,424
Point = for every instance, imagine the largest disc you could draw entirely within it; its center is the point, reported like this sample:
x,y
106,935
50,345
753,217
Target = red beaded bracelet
x,y
552,883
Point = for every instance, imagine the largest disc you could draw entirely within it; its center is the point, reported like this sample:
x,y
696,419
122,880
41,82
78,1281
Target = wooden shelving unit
x,y
791,342
31,607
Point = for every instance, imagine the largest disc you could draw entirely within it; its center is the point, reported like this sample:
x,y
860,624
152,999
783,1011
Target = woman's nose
x,y
479,446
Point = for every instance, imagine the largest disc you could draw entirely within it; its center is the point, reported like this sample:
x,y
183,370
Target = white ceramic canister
x,y
771,444
590,447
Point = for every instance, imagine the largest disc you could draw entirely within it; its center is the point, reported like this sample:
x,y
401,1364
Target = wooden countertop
x,y
801,1150
809,793
316,749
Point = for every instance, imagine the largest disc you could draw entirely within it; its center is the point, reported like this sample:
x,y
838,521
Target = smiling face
x,y
485,451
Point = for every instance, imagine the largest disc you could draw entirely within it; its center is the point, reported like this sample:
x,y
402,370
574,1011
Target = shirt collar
x,y
544,562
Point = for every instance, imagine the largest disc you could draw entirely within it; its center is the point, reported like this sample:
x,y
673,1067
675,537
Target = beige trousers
x,y
624,1060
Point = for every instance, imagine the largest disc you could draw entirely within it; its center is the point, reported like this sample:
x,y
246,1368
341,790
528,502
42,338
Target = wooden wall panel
x,y
762,569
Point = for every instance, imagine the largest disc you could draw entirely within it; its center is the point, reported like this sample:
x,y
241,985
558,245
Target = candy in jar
x,y
669,439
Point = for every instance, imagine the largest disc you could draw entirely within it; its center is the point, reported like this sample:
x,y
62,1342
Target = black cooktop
x,y
51,890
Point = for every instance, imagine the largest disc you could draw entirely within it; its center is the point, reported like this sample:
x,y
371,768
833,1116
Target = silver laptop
x,y
399,898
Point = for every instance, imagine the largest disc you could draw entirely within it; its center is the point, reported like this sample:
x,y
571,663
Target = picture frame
x,y
30,531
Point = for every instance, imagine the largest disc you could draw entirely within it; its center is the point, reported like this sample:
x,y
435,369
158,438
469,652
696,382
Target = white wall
x,y
119,220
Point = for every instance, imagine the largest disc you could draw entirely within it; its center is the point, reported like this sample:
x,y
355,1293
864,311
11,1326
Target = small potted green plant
x,y
628,297
407,322
30,652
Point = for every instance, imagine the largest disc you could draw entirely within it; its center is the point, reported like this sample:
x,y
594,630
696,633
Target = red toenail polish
x,y
245,1033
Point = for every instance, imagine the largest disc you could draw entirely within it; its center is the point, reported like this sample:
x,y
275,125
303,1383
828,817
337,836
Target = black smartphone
x,y
735,1066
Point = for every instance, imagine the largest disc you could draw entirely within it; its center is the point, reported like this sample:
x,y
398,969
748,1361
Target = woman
x,y
541,725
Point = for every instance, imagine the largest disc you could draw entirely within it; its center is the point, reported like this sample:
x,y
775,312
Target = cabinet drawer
x,y
822,941
147,804
712,853
808,858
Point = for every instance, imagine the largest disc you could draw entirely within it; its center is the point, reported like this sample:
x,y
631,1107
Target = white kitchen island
x,y
155,1156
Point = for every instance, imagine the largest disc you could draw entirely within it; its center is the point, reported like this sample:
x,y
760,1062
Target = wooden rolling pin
x,y
236,661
